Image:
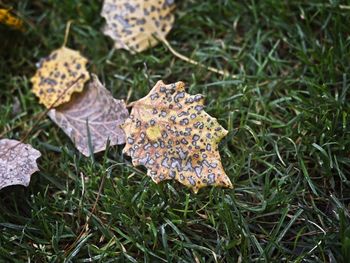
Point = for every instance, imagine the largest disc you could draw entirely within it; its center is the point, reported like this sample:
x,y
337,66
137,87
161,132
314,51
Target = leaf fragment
x,y
169,133
92,115
58,76
10,20
17,162
136,25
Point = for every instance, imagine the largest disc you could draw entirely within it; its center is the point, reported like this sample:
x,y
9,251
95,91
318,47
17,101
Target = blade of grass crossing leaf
x,y
91,147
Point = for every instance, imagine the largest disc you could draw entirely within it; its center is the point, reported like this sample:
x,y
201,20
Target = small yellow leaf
x,y
136,25
169,133
58,76
8,19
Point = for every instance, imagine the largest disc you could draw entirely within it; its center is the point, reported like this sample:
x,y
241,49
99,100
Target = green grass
x,y
287,152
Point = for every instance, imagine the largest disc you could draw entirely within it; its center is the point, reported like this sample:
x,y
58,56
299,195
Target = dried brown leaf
x,y
17,162
93,113
169,133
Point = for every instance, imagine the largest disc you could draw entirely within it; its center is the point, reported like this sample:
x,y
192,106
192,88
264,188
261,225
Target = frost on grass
x,y
136,25
17,162
92,118
169,133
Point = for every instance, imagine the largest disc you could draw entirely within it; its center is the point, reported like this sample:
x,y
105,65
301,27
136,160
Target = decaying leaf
x,y
8,19
92,115
138,24
17,162
59,75
133,24
169,133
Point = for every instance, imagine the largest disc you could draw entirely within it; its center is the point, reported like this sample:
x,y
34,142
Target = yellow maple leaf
x,y
169,133
58,76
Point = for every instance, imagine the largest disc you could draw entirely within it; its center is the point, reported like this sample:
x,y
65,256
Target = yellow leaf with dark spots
x,y
10,20
169,133
137,25
58,76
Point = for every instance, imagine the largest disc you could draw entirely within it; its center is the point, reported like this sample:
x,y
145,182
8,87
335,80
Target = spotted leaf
x,y
136,25
9,19
58,76
92,116
169,133
17,163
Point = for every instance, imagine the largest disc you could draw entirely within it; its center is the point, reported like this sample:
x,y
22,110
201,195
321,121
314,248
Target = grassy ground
x,y
287,152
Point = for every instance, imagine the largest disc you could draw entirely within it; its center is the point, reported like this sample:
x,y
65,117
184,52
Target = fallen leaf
x,y
169,133
10,20
93,114
58,76
136,25
139,24
17,162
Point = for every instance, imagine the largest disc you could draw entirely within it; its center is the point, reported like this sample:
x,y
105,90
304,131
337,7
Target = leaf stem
x,y
196,63
66,34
